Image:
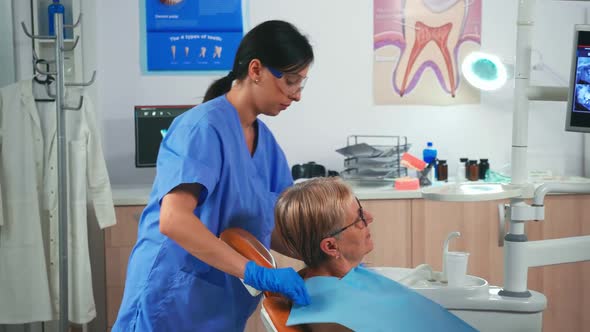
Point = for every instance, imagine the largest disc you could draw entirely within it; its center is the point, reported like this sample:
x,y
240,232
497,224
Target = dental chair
x,y
275,307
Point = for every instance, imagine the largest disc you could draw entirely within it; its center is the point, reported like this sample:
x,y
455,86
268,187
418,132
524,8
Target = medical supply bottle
x,y
443,170
54,8
473,171
483,168
429,154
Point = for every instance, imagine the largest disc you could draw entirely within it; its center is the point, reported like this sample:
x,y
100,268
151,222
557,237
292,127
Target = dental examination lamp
x,y
487,72
484,71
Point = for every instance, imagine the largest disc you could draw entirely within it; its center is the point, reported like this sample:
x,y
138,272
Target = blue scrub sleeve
x,y
189,154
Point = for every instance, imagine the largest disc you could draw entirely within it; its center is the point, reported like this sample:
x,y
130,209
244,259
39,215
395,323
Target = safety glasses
x,y
360,218
291,83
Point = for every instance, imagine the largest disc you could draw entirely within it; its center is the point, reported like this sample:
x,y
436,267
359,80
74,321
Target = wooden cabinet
x,y
391,232
409,232
565,285
432,221
119,241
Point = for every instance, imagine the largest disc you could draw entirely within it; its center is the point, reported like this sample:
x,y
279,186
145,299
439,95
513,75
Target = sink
x,y
423,281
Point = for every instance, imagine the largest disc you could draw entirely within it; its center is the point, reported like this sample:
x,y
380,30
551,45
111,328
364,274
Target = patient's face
x,y
355,242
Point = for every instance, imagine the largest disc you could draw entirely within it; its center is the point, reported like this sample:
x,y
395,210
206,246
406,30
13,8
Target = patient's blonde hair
x,y
306,213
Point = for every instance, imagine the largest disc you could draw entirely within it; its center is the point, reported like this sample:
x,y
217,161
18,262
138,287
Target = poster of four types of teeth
x,y
192,35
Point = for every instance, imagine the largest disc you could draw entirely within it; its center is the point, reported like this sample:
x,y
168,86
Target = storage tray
x,y
364,150
371,162
366,174
370,157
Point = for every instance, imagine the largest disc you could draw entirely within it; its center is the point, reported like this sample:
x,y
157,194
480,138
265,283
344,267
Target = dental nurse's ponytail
x,y
219,87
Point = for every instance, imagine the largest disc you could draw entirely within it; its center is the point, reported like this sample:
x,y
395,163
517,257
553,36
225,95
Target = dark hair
x,y
275,43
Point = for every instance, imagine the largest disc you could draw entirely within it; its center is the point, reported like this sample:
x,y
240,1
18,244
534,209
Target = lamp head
x,y
484,71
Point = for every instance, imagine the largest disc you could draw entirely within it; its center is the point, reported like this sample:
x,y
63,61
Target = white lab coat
x,y
29,282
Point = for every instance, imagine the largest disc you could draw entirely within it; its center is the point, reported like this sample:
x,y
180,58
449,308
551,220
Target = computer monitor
x,y
151,125
578,105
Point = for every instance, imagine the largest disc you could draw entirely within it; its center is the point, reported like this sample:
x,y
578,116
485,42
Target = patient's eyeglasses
x,y
293,83
360,218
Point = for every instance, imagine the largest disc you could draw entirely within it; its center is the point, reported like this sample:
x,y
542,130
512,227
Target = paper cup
x,y
456,268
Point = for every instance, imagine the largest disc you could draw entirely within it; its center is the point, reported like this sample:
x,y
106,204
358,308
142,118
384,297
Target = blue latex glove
x,y
285,281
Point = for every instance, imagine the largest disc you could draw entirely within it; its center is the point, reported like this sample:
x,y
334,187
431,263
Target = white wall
x,y
7,74
337,100
22,45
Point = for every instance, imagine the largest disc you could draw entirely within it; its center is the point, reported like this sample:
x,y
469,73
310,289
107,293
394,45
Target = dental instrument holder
x,y
62,184
451,236
426,176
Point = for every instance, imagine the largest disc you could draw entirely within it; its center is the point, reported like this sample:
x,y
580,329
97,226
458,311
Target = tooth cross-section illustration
x,y
425,28
429,34
425,34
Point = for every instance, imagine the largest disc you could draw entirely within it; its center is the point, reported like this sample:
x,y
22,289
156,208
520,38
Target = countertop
x,y
139,194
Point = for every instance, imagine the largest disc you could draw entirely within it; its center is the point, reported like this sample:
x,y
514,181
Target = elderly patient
x,y
322,222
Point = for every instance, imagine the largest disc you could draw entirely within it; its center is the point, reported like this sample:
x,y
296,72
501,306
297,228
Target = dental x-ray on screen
x,y
578,106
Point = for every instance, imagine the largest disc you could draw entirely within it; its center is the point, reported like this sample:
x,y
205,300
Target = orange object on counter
x,y
406,183
412,162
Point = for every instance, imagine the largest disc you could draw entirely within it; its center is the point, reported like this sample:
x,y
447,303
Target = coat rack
x,y
61,106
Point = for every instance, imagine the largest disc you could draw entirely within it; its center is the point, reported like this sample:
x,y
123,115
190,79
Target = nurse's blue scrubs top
x,y
168,289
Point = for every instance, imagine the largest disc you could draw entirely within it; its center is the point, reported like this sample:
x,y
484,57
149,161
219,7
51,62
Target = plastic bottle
x,y
429,154
54,8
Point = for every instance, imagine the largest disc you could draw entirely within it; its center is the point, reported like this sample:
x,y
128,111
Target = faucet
x,y
451,236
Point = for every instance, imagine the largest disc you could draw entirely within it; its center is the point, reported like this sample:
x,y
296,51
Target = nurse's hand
x,y
285,281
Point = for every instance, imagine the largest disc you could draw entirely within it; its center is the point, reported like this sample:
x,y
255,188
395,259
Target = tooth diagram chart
x,y
418,47
192,35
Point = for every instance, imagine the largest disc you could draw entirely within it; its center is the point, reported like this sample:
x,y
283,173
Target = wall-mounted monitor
x,y
151,125
578,105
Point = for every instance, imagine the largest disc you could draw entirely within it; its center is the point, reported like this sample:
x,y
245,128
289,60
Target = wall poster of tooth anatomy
x,y
189,35
418,48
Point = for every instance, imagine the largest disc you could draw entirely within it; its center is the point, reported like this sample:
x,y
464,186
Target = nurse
x,y
219,166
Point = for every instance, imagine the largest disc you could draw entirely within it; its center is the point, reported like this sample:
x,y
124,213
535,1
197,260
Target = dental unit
x,y
519,253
